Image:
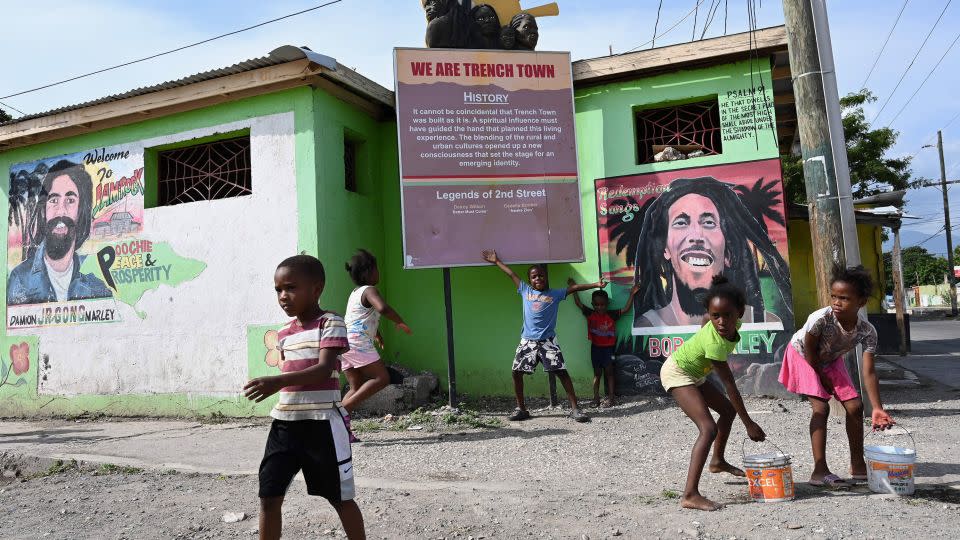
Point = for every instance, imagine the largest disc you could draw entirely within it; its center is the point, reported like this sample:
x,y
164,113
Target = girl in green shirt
x,y
684,375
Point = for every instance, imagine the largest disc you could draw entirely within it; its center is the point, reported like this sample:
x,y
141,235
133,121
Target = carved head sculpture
x,y
486,18
527,32
435,8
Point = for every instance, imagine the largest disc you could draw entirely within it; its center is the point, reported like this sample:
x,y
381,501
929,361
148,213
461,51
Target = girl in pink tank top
x,y
366,373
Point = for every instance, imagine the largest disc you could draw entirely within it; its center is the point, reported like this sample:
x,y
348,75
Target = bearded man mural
x,y
52,273
699,228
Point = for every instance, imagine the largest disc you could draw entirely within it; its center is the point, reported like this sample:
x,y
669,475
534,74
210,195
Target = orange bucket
x,y
770,476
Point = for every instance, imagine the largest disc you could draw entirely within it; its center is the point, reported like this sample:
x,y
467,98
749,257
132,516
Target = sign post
x,y
451,363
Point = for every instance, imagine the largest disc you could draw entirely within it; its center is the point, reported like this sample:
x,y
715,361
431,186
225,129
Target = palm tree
x,y
764,203
24,200
763,200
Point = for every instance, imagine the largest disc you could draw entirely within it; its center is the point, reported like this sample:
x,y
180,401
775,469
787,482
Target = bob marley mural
x,y
670,233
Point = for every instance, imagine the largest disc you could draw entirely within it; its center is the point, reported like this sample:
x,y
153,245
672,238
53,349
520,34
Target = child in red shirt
x,y
602,333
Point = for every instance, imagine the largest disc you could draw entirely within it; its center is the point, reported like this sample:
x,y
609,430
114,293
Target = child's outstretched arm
x,y
372,297
573,288
629,305
753,430
576,297
490,255
880,419
261,388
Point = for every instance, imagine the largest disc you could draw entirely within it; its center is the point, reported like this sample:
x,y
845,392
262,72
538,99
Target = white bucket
x,y
890,468
769,475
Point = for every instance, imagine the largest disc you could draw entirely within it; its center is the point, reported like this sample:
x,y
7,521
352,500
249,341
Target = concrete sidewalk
x,y
229,448
935,352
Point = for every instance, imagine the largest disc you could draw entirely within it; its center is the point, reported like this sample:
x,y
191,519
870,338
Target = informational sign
x,y
488,157
668,233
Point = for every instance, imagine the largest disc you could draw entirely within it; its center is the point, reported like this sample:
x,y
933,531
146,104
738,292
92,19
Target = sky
x,y
46,41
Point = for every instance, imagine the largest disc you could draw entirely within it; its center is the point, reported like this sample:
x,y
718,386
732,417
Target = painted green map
x,y
167,268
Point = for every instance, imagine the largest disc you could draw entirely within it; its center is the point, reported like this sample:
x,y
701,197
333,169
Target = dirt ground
x,y
618,476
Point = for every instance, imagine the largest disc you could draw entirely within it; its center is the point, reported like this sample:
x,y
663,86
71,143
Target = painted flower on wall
x,y
18,365
20,358
272,342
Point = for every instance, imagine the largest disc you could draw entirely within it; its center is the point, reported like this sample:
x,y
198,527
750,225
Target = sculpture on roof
x,y
449,25
463,24
492,34
525,25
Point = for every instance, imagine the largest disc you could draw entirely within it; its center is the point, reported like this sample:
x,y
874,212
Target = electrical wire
x,y
726,10
925,79
711,13
885,42
655,25
696,11
665,32
301,12
910,65
12,108
934,135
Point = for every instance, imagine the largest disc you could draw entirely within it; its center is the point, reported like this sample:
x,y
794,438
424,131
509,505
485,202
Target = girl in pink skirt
x,y
813,367
365,372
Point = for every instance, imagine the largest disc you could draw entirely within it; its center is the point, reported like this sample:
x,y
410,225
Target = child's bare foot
x,y
723,466
858,473
699,502
595,403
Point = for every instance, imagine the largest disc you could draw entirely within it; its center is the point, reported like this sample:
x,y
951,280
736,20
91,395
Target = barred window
x,y
204,172
350,164
691,128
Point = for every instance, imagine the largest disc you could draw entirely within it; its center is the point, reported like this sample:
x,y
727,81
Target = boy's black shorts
x,y
601,357
321,448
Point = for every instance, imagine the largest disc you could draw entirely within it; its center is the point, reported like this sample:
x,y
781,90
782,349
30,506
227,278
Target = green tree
x,y
871,171
920,267
4,117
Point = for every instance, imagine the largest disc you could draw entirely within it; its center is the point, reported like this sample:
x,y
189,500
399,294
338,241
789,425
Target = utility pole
x,y
897,264
826,172
952,279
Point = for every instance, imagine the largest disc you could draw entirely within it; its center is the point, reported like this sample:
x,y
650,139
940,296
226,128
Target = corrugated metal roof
x,y
280,55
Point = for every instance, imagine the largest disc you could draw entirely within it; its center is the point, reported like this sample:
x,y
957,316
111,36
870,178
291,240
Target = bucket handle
x,y
905,430
743,446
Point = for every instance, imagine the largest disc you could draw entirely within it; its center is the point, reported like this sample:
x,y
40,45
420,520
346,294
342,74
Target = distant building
x,y
121,222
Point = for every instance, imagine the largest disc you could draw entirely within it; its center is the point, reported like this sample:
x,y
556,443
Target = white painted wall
x,y
193,339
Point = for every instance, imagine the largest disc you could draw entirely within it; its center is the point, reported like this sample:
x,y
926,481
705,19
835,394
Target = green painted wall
x,y
487,312
319,170
334,222
802,273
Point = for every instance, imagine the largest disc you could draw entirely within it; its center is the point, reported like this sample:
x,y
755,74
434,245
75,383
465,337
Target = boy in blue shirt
x,y
538,342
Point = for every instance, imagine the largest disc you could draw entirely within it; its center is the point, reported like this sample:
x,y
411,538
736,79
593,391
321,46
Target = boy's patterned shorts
x,y
531,352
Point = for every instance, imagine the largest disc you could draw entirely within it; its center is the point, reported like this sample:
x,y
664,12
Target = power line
x,y
668,30
910,65
696,11
655,25
925,79
879,54
301,12
12,108
726,10
934,135
711,13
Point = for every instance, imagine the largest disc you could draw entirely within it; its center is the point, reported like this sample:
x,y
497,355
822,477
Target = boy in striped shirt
x,y
308,431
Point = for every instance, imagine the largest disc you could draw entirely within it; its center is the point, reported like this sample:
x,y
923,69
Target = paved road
x,y
935,351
